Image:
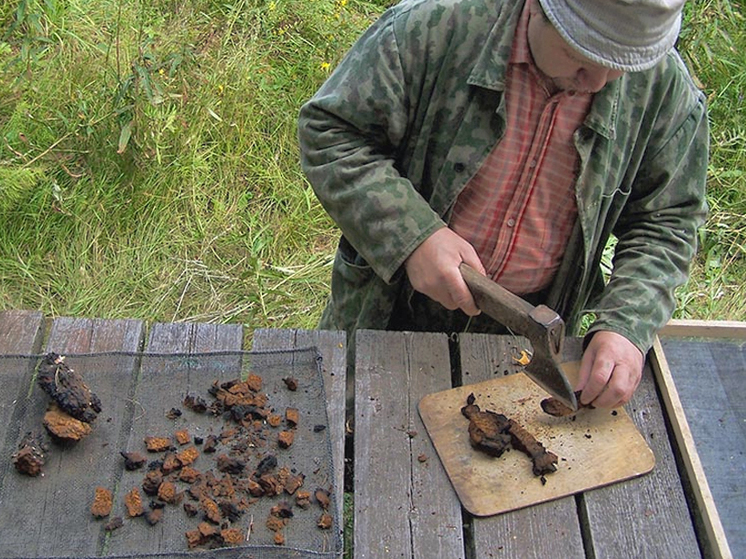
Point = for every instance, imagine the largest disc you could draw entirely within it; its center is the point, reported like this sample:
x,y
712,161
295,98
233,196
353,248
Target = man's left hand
x,y
610,370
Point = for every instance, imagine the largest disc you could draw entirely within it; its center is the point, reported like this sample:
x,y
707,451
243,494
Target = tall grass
x,y
149,163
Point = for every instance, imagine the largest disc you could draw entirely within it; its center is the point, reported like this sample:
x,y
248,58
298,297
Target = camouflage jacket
x,y
408,116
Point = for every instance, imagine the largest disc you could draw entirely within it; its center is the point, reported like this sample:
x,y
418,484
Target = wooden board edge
x,y
679,328
714,532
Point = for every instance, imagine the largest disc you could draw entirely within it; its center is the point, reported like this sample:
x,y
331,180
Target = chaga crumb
x,y
274,420
191,509
292,417
270,484
282,510
195,403
102,502
285,439
211,510
325,521
319,428
114,524
31,455
66,387
230,465
422,458
182,437
231,536
157,444
291,383
279,538
167,492
133,460
133,502
275,523
152,482
322,498
303,499
170,463
211,444
173,413
188,475
254,382
154,516
293,483
63,426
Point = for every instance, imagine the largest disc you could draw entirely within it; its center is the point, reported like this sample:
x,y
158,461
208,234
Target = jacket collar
x,y
491,65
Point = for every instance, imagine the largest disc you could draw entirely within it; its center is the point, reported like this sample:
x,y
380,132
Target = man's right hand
x,y
433,269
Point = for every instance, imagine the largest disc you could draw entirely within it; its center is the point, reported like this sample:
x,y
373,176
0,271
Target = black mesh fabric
x,y
49,515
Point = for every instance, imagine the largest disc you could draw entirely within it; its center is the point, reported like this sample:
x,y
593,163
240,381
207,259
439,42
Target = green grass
x,y
149,162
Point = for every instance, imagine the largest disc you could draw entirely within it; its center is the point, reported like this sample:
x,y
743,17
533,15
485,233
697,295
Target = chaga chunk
x,y
303,499
554,407
157,444
133,460
291,383
325,521
133,502
487,429
292,417
63,426
322,498
102,502
285,439
494,433
31,455
66,387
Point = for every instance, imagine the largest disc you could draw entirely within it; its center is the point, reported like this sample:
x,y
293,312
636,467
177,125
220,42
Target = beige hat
x,y
627,35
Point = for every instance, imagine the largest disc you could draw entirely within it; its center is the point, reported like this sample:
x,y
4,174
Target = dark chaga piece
x,y
554,407
291,383
66,387
487,429
31,455
494,433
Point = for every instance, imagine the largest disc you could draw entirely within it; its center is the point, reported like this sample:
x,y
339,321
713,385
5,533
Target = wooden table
x,y
404,506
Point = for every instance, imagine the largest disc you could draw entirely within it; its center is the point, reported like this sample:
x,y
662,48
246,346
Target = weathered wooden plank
x,y
546,530
333,349
163,382
647,516
702,385
705,329
20,334
55,519
404,507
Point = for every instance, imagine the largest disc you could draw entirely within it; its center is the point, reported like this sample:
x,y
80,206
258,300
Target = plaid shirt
x,y
520,228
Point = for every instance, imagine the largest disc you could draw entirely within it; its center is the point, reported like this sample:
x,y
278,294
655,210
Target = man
x,y
515,138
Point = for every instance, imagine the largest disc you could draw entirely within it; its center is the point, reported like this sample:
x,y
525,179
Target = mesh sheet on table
x,y
51,513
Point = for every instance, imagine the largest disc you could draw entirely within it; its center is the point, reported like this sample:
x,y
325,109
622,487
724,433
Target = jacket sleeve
x,y
350,135
657,232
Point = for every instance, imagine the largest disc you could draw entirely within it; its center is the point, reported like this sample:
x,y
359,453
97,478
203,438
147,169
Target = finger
x,y
601,371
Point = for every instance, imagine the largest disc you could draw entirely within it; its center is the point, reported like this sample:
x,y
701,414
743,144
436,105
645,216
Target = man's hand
x,y
433,269
610,370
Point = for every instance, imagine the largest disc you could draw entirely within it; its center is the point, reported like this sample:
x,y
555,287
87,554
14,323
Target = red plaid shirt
x,y
518,210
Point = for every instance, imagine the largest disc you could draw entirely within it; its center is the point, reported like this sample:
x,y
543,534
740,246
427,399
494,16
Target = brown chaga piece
x,y
303,499
133,502
291,383
231,536
63,426
189,475
487,432
554,407
157,444
274,420
285,439
182,437
325,521
293,483
322,498
254,382
114,524
102,503
211,510
31,455
292,417
133,460
152,482
154,516
544,462
66,387
487,429
230,464
167,492
279,538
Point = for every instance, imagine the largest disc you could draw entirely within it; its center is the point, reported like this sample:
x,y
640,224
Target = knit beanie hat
x,y
626,35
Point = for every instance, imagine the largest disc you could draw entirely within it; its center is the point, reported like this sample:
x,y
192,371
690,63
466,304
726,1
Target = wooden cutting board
x,y
598,447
